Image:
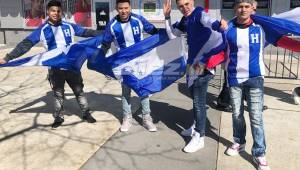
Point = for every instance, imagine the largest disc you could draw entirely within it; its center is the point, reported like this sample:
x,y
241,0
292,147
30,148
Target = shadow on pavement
x,y
97,102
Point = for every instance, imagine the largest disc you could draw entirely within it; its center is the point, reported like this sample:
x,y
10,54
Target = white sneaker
x,y
126,124
296,93
261,163
235,149
195,144
148,123
189,132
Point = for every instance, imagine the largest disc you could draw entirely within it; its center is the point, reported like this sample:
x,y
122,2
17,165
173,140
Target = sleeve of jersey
x,y
174,30
35,36
180,25
210,22
78,30
148,27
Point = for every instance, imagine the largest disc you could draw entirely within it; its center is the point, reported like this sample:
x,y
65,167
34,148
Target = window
x,y
294,4
34,12
75,11
79,12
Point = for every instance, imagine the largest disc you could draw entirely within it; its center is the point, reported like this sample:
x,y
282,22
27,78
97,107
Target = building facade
x,y
19,17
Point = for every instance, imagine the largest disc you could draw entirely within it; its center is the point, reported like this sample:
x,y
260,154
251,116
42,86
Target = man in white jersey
x,y
245,75
124,30
56,33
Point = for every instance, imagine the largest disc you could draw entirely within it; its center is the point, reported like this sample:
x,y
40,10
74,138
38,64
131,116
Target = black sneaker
x,y
225,108
265,107
57,122
89,118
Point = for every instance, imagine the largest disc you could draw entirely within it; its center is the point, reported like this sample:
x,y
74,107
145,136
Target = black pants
x,y
224,96
57,79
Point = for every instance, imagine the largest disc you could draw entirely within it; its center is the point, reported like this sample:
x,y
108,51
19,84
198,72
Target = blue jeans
x,y
254,91
126,103
198,91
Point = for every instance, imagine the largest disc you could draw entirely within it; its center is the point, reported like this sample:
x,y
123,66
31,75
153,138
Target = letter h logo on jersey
x,y
67,33
136,30
254,38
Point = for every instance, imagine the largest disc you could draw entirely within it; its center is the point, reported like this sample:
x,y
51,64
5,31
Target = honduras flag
x,y
71,57
278,30
146,67
292,15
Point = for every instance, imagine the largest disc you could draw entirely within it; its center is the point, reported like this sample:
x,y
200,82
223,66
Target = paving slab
x,y
143,150
27,140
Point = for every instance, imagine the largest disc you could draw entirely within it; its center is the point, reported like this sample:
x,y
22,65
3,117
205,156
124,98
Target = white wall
x,y
11,14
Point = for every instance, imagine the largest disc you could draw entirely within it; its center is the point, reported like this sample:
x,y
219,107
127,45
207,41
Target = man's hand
x,y
167,8
2,61
224,25
199,68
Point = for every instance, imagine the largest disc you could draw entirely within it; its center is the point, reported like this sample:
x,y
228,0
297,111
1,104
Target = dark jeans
x,y
57,79
198,91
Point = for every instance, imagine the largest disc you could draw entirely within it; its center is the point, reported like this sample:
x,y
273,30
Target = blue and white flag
x,y
146,67
278,30
70,57
292,15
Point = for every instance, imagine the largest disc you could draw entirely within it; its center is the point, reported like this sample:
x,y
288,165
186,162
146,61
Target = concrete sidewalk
x,y
28,142
26,138
140,149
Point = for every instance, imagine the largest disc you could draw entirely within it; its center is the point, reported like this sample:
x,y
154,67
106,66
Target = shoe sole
x,y
257,163
89,121
235,154
193,150
124,130
152,130
295,94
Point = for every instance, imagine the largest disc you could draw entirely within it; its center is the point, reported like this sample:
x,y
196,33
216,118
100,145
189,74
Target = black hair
x,y
122,1
53,3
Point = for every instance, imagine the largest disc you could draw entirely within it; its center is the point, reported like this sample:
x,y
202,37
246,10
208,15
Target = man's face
x,y
37,5
54,14
186,7
243,10
124,10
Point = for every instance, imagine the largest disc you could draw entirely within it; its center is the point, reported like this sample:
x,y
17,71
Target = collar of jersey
x,y
119,19
243,25
55,25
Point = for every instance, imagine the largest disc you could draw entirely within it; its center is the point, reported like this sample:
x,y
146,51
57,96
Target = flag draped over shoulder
x,y
277,31
146,67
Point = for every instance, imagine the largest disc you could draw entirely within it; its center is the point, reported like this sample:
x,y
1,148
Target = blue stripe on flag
x,y
275,28
127,54
158,79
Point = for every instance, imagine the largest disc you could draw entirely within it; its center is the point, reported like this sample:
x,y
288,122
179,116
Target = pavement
x,y
27,140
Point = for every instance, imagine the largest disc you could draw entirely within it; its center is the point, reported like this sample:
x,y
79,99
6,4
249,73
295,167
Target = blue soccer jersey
x,y
125,34
245,53
202,35
55,36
